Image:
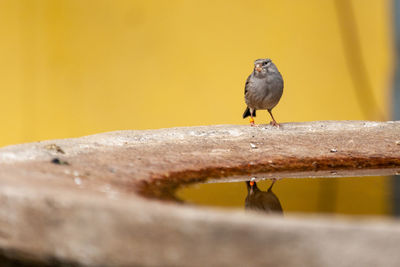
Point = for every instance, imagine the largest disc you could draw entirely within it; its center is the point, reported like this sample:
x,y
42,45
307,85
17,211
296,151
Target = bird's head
x,y
262,66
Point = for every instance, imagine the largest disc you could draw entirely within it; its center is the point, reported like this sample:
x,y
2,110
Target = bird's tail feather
x,y
247,113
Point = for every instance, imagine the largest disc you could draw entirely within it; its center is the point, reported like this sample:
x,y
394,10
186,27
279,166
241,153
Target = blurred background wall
x,y
71,67
76,67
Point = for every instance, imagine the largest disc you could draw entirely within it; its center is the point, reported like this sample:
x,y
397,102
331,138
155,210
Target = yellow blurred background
x,y
72,67
77,67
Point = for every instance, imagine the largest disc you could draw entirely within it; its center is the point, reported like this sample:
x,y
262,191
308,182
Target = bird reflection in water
x,y
262,201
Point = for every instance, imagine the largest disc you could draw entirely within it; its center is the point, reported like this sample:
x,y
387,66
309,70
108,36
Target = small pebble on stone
x,y
78,181
59,161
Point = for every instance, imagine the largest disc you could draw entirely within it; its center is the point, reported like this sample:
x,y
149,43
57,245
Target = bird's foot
x,y
252,122
275,124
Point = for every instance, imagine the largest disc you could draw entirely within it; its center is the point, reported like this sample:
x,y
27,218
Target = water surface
x,y
369,195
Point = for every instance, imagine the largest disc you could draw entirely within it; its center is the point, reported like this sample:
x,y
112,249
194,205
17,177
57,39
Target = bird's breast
x,y
263,96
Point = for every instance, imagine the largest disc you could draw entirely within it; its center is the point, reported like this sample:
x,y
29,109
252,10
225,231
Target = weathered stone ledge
x,y
87,209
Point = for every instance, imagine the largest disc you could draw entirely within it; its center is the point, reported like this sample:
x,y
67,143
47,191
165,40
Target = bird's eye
x,y
265,63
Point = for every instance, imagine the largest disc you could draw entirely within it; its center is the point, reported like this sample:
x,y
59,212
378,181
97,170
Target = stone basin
x,y
96,200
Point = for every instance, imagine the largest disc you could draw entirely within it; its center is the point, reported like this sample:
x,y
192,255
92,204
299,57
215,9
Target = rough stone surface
x,y
80,201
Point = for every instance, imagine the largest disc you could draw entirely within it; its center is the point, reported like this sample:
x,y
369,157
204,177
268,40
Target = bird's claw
x,y
275,124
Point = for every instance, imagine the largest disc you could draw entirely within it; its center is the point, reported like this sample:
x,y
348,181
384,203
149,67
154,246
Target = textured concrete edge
x,y
111,140
92,231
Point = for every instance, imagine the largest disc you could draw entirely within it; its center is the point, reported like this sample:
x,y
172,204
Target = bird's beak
x,y
251,188
251,183
258,67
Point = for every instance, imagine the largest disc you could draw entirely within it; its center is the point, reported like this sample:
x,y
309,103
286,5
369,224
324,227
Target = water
x,y
368,195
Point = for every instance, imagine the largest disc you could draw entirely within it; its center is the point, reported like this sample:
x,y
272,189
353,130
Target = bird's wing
x,y
270,202
247,84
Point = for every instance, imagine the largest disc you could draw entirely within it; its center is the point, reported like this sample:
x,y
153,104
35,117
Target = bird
x,y
263,89
262,201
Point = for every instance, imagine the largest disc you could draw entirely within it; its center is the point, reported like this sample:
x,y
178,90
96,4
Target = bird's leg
x,y
251,121
273,122
251,118
273,182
